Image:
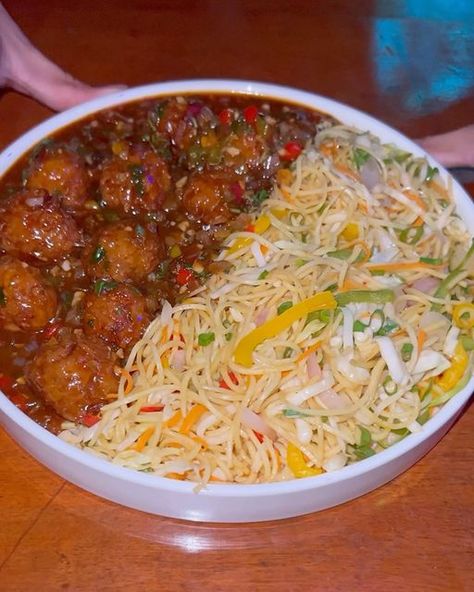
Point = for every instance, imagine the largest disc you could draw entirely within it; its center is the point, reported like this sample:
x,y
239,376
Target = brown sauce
x,y
114,213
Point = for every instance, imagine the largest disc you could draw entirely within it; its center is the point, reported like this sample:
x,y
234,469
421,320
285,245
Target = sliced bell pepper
x,y
450,377
297,464
245,347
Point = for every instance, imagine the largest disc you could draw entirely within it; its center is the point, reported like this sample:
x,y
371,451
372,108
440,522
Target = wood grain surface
x,y
408,63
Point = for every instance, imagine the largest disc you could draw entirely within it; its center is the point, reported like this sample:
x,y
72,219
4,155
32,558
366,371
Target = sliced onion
x,y
370,173
335,463
395,364
311,390
34,201
257,253
332,400
312,367
303,431
347,329
426,284
351,372
166,313
178,359
253,421
451,341
435,324
261,316
430,360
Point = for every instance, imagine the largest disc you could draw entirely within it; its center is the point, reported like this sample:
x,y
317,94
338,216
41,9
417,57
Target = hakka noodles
x,y
311,288
342,320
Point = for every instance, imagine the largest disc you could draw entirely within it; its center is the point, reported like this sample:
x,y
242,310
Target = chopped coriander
x,y
360,157
300,262
258,198
98,254
206,338
102,286
226,323
228,336
287,353
284,306
263,275
162,270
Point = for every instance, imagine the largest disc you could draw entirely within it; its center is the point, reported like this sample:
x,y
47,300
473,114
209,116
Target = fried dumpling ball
x,y
27,301
124,251
136,183
73,374
60,171
206,196
33,226
117,313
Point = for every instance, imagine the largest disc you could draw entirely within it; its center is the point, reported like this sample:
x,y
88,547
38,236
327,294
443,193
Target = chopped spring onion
x,y
371,296
359,327
389,386
263,275
411,235
407,351
98,254
206,338
102,286
284,306
395,365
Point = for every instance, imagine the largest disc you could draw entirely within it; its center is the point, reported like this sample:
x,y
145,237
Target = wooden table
x,y
414,534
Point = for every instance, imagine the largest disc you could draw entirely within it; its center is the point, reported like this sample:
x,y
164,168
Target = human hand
x,y
25,69
452,149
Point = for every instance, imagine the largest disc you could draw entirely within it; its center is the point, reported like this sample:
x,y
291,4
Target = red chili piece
x,y
183,276
89,419
51,330
250,114
233,379
259,436
225,116
151,408
291,150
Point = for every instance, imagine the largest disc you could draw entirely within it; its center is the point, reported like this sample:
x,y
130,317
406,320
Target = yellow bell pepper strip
x,y
245,347
173,420
261,224
450,377
463,315
191,418
297,464
143,439
351,231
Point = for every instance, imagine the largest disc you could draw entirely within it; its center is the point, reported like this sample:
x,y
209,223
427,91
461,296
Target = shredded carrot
x,y
174,420
216,479
165,361
351,285
328,149
173,445
438,188
192,417
418,222
164,335
128,380
421,338
285,373
287,195
416,199
345,170
143,439
264,249
284,177
308,351
177,476
362,206
200,441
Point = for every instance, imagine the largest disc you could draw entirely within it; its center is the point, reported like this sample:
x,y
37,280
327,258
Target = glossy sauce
x,y
119,211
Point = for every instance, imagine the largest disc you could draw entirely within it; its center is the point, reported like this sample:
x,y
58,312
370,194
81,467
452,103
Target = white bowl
x,y
219,502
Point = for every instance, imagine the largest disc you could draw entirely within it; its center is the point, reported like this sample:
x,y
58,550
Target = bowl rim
x,y
344,113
